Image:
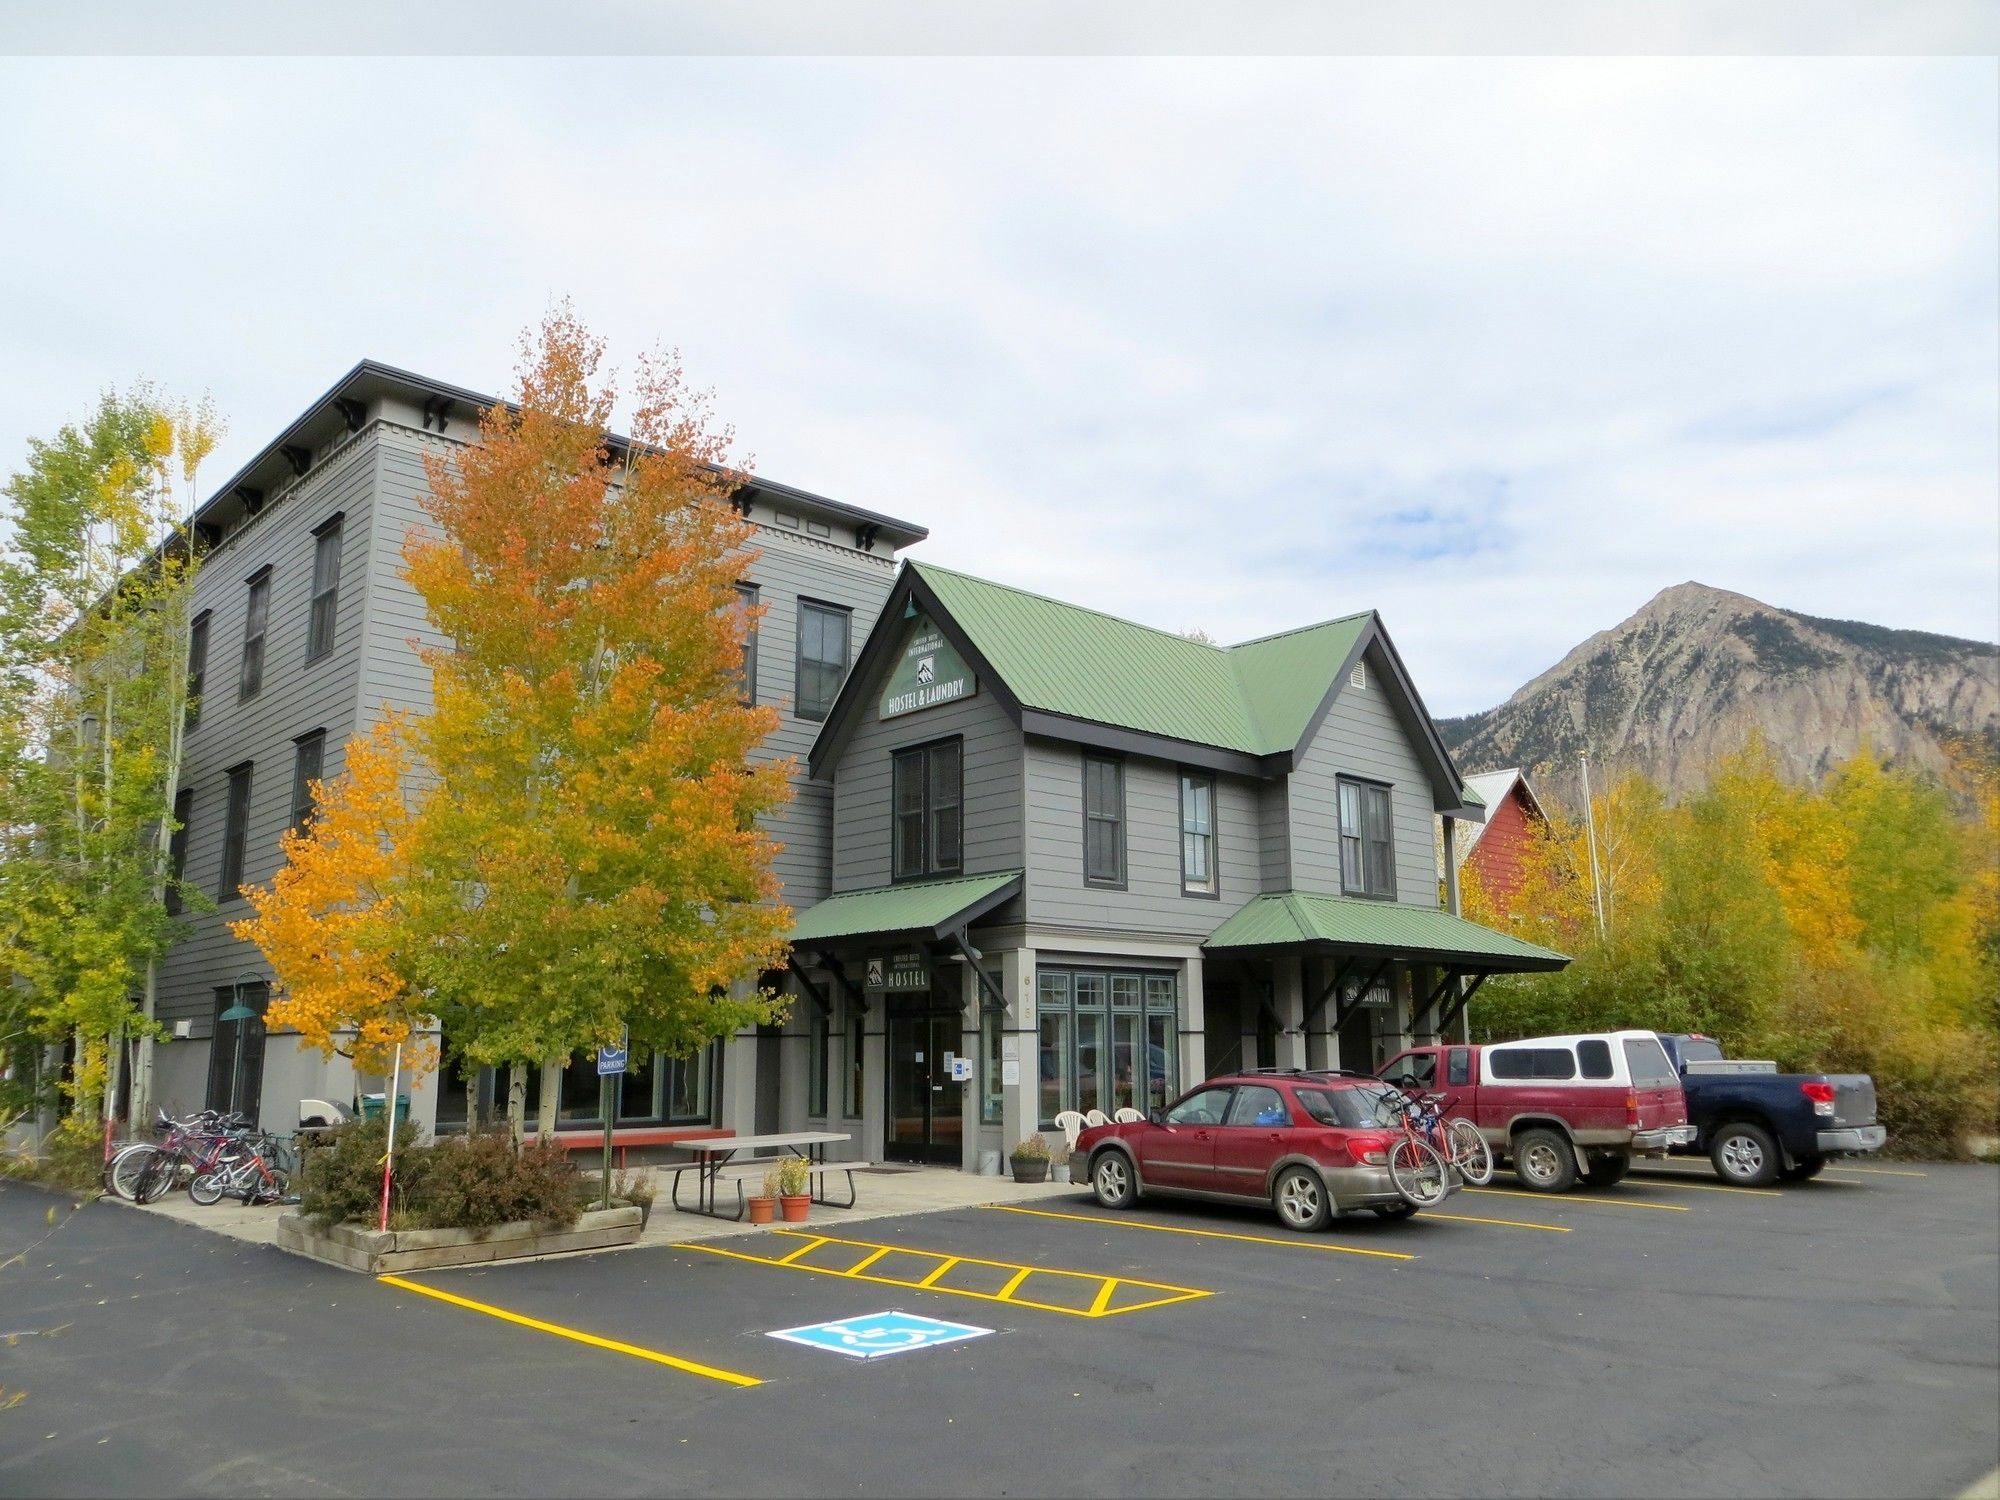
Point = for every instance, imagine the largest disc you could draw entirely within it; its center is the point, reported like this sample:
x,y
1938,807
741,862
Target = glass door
x,y
925,1123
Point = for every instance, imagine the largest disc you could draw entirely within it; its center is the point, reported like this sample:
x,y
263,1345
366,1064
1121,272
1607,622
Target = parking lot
x,y
1666,1337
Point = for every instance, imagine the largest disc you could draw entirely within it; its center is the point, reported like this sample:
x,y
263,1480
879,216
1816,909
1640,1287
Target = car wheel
x,y
1804,1171
1607,1171
1544,1161
1301,1200
1396,1210
1744,1155
1114,1181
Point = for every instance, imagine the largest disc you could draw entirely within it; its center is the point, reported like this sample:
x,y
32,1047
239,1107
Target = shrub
x,y
1031,1148
72,1158
792,1176
470,1181
340,1182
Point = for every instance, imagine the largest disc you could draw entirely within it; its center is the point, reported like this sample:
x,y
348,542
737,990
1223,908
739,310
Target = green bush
x,y
459,1182
72,1158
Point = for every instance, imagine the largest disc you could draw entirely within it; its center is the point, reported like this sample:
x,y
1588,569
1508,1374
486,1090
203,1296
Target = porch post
x,y
1289,1000
1021,1100
1193,1027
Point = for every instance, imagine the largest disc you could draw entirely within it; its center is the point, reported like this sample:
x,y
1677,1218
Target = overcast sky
x,y
1500,348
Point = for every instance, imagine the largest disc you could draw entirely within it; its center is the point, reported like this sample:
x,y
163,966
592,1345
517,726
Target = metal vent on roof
x,y
1359,676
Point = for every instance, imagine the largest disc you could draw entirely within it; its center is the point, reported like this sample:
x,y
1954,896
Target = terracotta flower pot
x,y
762,1209
795,1206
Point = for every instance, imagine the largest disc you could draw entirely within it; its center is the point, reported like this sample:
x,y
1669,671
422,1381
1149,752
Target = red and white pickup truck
x,y
1561,1108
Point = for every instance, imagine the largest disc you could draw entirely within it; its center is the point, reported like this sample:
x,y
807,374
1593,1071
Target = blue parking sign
x,y
612,1059
872,1335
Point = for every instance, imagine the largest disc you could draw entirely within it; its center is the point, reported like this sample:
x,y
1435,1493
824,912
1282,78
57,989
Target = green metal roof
x,y
934,906
1291,919
1257,697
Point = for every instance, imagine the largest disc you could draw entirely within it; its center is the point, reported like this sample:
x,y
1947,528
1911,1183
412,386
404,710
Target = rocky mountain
x,y
1689,677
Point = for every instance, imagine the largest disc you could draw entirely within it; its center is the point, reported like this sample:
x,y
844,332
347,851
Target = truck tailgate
x,y
1853,1099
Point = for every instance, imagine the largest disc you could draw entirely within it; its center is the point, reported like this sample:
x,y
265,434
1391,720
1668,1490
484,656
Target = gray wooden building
x,y
1041,858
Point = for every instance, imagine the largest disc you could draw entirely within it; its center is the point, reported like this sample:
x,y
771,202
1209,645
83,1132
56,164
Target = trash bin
x,y
371,1107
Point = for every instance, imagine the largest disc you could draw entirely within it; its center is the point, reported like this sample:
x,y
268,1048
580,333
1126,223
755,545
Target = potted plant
x,y
764,1205
794,1196
1030,1158
1058,1161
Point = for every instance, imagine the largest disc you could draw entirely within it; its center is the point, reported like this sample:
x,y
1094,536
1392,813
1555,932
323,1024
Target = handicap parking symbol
x,y
872,1335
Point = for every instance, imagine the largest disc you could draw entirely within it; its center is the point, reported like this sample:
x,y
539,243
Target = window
x,y
1594,1058
816,1058
1355,1109
746,597
850,1104
1202,1107
1532,1062
1255,1104
308,757
197,677
177,848
822,657
1197,834
1103,821
1367,845
1648,1061
236,1051
654,1087
991,1101
1108,1040
1458,1066
256,617
326,588
1416,1071
928,803
234,830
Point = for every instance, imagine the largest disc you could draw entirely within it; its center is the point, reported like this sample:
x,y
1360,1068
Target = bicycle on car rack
x,y
1458,1141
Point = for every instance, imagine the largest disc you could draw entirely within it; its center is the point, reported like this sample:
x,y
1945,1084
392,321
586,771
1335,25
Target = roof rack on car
x,y
1301,1073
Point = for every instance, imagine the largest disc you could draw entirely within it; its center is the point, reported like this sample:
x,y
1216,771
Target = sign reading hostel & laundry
x,y
898,974
928,673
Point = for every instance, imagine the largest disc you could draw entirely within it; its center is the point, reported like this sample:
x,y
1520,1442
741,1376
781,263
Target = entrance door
x,y
925,1123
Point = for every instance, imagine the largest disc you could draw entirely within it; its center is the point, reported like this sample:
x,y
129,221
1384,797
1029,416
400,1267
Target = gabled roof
x,y
1074,673
1301,920
1493,788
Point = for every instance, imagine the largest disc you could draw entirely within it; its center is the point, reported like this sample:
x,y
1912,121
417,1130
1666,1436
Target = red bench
x,y
623,1136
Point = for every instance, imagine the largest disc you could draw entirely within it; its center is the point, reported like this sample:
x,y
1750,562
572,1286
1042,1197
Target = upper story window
x,y
929,807
197,678
235,831
177,848
746,597
1367,842
822,657
1103,821
326,588
256,620
1198,834
308,762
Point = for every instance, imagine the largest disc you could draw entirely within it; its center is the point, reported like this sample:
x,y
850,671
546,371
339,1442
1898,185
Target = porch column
x,y
1288,1000
1321,1050
1020,1068
968,1047
1193,1027
737,1109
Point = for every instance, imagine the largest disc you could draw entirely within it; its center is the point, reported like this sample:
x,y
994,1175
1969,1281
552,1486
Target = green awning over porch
x,y
1304,920
933,907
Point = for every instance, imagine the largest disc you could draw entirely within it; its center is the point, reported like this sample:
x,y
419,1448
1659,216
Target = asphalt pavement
x,y
1666,1337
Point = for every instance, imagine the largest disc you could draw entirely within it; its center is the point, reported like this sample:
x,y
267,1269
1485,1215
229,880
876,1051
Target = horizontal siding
x,y
297,698
862,781
1152,902
1362,737
1274,835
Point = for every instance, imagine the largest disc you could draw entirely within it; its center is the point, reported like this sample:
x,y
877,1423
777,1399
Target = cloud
x,y
1499,347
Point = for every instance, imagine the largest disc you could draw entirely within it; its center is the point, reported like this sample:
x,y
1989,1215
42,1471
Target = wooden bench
x,y
624,1137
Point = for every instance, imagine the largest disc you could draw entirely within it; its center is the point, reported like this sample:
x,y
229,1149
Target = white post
x,y
389,1114
1590,837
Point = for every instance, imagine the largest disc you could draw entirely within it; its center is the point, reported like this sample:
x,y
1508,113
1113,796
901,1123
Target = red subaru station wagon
x,y
1310,1144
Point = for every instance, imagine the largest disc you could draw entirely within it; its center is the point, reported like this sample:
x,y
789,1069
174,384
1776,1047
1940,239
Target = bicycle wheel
x,y
1418,1173
1469,1152
156,1177
126,1167
208,1188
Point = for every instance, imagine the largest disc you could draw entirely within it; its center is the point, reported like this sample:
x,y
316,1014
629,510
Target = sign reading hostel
x,y
929,672
898,974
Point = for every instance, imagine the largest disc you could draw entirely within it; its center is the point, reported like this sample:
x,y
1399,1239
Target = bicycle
x,y
122,1173
243,1169
1457,1140
1417,1169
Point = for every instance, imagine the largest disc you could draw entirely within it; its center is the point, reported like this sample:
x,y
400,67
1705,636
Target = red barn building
x,y
1495,848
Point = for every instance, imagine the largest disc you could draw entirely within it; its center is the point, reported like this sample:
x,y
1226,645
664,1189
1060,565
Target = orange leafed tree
x,y
331,922
590,860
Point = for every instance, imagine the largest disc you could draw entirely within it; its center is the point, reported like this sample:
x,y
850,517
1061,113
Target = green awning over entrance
x,y
1390,929
928,906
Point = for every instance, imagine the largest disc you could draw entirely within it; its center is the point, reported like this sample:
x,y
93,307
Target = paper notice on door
x,y
948,1060
1010,1071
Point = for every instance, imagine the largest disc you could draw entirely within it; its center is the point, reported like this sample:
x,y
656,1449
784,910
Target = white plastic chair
x,y
1096,1117
1127,1115
1071,1124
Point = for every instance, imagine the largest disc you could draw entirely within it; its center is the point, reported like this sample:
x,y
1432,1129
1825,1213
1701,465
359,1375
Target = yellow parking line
x,y
1504,1223
1658,1180
806,1248
859,1266
1876,1171
1014,1285
931,1280
727,1377
1103,1298
1558,1198
1208,1234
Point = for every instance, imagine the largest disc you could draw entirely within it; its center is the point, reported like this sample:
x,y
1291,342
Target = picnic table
x,y
712,1156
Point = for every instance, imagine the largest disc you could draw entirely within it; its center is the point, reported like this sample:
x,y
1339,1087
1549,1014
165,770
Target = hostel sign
x,y
929,672
898,974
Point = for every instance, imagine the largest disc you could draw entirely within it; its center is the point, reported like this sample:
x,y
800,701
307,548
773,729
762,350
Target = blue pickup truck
x,y
1757,1125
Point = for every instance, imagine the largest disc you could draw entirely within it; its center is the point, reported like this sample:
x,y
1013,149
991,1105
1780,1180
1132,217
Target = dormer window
x,y
1367,840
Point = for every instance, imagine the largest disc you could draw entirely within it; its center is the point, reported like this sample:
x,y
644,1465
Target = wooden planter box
x,y
376,1251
